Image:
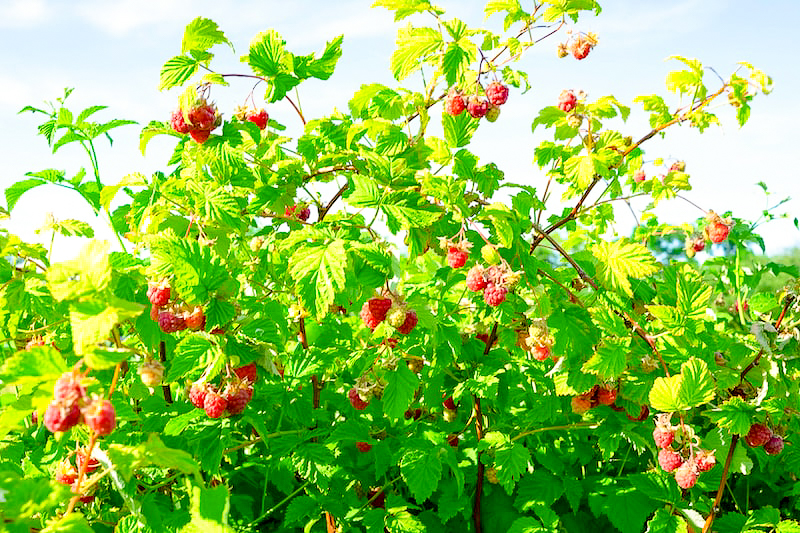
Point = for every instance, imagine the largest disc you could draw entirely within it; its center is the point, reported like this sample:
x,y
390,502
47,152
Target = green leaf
x,y
609,361
322,68
268,55
364,192
412,47
621,260
99,357
92,322
176,72
734,415
511,461
409,210
583,169
38,365
665,522
319,270
526,524
16,190
72,523
209,509
405,8
421,470
84,276
697,386
539,488
664,394
399,391
201,34
300,509
194,351
788,526
458,130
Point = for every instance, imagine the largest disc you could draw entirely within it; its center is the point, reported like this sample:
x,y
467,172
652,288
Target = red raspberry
x,y
217,331
540,352
202,117
580,48
456,257
705,460
758,435
449,403
484,337
606,396
363,446
413,413
686,475
197,394
567,101
59,417
374,311
68,389
356,401
200,136
214,404
409,324
85,498
581,404
248,372
169,322
196,320
639,176
476,279
238,398
452,440
699,244
158,294
259,118
100,417
178,123
391,342
81,456
454,103
377,498
774,445
717,231
65,473
302,214
669,459
494,295
477,107
497,93
663,437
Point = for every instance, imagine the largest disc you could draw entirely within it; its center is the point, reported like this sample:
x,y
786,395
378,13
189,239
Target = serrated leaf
x,y
412,47
407,214
364,192
421,470
38,365
92,322
609,361
201,34
300,509
526,524
697,385
539,488
319,270
268,55
664,394
15,191
665,522
788,526
176,72
621,260
399,391
511,461
193,352
734,415
84,276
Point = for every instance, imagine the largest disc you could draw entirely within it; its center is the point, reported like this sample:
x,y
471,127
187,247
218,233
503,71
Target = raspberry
x,y
259,118
493,113
491,475
686,475
154,310
413,413
581,404
456,257
200,136
396,316
476,280
454,103
574,120
197,394
68,389
100,417
158,294
705,460
356,401
669,460
409,324
606,396
59,417
774,445
449,403
151,373
758,435
214,404
202,117
238,398
196,320
65,472
377,498
494,295
580,48
292,211
477,107
452,440
484,337
177,122
363,446
81,457
391,342
678,166
540,352
639,176
567,101
663,437
698,244
35,341
170,322
717,231
374,311
248,372
415,364
497,93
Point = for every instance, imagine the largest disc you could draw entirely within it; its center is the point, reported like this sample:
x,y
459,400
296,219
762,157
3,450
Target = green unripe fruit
x,y
396,316
492,113
490,255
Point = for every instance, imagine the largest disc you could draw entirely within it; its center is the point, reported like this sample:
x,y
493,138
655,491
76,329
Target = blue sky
x,y
111,53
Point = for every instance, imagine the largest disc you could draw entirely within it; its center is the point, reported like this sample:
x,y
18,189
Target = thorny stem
x,y
479,429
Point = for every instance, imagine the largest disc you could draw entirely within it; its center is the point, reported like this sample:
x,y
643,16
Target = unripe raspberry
x,y
639,176
238,398
686,475
259,118
100,417
758,435
363,446
574,121
457,257
454,103
663,437
68,389
409,324
567,101
214,404
200,136
151,372
669,459
65,473
490,255
678,166
59,417
81,456
774,445
540,352
197,394
158,293
705,460
177,122
196,320
494,295
356,401
491,475
396,316
497,93
477,107
247,372
476,279
415,364
493,113
449,415
606,396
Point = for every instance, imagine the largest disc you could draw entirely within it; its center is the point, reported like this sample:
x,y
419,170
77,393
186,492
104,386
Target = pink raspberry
x,y
177,122
497,93
580,48
454,103
758,435
705,460
68,389
477,107
238,398
169,322
363,446
158,294
65,472
567,101
476,279
259,118
456,257
81,456
356,401
197,394
200,136
59,417
202,117
214,404
100,417
639,176
409,323
774,445
248,372
663,437
494,295
669,459
717,232
686,475
196,320
540,352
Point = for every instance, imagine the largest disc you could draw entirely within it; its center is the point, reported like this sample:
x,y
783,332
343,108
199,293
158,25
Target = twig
x,y
584,276
162,355
479,429
338,195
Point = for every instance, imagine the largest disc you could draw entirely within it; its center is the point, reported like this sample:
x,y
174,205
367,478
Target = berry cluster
x,y
395,312
762,436
298,211
71,406
537,340
594,397
198,120
171,315
67,474
579,45
495,95
688,461
495,282
231,396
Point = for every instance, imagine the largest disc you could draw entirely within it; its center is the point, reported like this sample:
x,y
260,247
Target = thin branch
x,y
338,195
584,276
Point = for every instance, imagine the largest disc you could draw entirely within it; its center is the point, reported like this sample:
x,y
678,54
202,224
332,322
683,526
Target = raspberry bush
x,y
293,334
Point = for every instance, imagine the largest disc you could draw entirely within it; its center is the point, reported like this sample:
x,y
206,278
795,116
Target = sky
x,y
111,52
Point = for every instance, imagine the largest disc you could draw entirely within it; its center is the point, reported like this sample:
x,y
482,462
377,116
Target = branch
x,y
479,429
583,275
338,195
162,355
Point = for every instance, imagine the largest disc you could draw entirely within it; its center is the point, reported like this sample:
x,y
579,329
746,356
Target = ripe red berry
x,y
606,396
200,136
81,457
540,352
65,473
476,279
297,211
177,122
409,323
374,311
238,398
686,475
59,417
154,310
248,372
698,245
356,401
494,295
377,498
197,394
758,435
497,93
663,437
259,118
158,294
449,403
214,404
452,440
196,320
580,48
567,101
202,117
477,107
639,176
363,446
68,389
717,231
454,103
169,322
774,445
669,459
456,257
100,417
705,460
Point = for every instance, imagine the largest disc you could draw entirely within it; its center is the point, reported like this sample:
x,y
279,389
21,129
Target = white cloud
x,y
23,13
